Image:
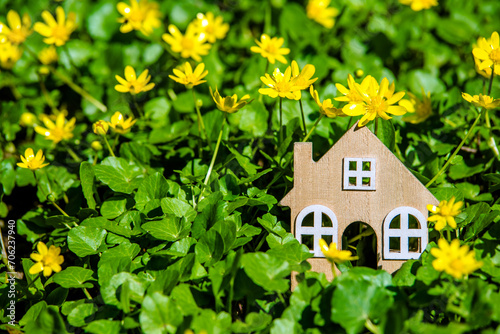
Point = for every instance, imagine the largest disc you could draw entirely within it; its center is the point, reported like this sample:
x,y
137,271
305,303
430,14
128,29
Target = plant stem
x,y
312,129
371,326
78,89
448,235
33,281
304,129
334,270
376,126
491,79
491,140
281,121
448,162
139,112
109,147
87,293
200,120
263,84
51,201
73,154
349,123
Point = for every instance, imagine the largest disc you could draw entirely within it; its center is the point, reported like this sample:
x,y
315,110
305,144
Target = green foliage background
x,y
154,262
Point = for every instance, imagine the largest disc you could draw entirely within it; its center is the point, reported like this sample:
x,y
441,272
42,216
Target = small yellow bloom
x,y
190,45
212,27
96,145
9,55
359,73
143,16
376,101
47,260
351,94
326,107
454,260
488,52
32,161
119,124
48,55
445,213
16,32
133,84
486,72
186,76
56,32
420,109
27,119
229,104
61,130
280,84
319,11
481,100
332,254
271,49
303,78
100,128
418,5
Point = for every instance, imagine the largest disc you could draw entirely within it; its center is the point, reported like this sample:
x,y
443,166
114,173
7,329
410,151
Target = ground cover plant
x,y
145,146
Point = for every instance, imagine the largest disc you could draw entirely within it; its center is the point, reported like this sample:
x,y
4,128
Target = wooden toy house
x,y
358,180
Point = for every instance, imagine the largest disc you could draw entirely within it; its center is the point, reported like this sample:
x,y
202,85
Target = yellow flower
x,y
418,5
326,107
445,213
420,109
100,128
61,130
271,49
488,52
212,27
143,16
454,260
56,32
486,72
376,100
481,100
17,31
48,55
186,76
229,104
351,94
27,119
319,11
190,45
119,124
133,84
96,145
47,260
332,254
9,55
303,79
280,84
32,161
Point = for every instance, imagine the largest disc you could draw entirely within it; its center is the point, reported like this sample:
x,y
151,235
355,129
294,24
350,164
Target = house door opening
x,y
361,240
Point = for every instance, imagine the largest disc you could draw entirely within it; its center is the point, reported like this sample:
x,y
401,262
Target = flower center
x,y
57,133
60,32
377,105
271,48
495,56
187,43
17,36
445,211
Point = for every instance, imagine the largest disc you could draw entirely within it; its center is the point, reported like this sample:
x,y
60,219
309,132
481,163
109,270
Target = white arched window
x,y
313,223
405,234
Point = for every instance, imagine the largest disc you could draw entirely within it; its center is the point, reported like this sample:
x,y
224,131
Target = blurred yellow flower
x,y
376,101
32,161
61,130
100,128
351,94
186,76
481,100
319,11
334,255
9,55
133,84
326,107
303,78
445,213
420,109
47,260
229,104
16,32
212,27
190,45
488,52
280,84
96,145
418,5
143,16
271,49
27,119
120,125
48,55
56,32
454,259
486,72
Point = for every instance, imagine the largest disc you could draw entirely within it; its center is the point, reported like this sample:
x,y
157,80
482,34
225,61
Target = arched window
x,y
313,223
405,234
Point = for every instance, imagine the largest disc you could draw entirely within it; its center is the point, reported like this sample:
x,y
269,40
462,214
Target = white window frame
x,y
316,230
359,174
404,233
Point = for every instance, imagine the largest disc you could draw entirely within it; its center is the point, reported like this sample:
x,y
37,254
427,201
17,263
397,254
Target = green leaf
x,y
294,253
159,314
119,174
85,240
252,119
267,271
114,206
101,22
178,208
244,161
153,187
74,277
210,248
169,228
116,260
133,292
254,322
103,326
82,314
87,181
178,129
49,320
